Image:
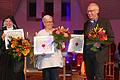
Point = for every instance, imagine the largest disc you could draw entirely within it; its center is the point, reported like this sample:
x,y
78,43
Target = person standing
x,y
49,63
94,60
118,55
8,67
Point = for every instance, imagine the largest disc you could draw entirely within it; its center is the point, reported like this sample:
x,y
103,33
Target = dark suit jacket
x,y
102,55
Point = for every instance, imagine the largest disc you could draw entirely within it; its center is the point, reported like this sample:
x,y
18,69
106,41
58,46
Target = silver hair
x,y
94,4
46,17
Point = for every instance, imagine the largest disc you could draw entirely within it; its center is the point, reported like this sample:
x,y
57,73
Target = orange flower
x,y
13,41
19,54
99,35
20,47
26,47
18,50
13,45
66,35
57,32
25,53
25,42
62,29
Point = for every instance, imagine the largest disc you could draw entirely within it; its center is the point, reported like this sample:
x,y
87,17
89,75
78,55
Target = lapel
x,y
91,25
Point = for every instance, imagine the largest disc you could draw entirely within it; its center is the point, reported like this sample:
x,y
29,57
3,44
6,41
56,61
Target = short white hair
x,y
96,6
46,17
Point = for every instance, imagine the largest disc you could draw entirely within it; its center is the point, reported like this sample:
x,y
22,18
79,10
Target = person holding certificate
x,y
8,69
49,63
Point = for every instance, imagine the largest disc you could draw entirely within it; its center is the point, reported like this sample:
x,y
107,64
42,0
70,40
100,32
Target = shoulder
x,y
41,32
86,22
103,20
4,28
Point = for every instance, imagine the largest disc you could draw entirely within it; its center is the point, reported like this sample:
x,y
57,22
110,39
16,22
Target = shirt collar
x,y
11,28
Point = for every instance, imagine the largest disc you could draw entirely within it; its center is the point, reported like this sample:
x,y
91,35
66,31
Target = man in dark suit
x,y
94,60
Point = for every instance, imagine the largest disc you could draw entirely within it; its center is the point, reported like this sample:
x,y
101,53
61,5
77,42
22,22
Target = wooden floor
x,y
37,75
74,75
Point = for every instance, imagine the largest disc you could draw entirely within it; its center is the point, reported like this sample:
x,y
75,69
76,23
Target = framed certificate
x,y
13,33
76,43
43,44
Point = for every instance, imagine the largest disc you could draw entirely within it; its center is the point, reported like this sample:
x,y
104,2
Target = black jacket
x,y
102,55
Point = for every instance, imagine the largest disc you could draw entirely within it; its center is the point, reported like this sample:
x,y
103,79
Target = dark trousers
x,y
6,67
50,73
94,69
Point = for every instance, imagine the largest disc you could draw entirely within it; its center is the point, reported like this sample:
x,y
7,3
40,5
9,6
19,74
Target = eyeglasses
x,y
48,21
90,11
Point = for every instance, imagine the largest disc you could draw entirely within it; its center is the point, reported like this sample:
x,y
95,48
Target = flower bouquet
x,y
19,47
61,35
97,36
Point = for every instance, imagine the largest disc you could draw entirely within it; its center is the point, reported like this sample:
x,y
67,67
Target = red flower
x,y
18,50
97,34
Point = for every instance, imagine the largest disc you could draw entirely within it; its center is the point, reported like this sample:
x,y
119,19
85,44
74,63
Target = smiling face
x,y
92,11
8,23
48,22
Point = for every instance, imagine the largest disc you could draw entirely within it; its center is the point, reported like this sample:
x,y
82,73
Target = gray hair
x,y
94,4
46,17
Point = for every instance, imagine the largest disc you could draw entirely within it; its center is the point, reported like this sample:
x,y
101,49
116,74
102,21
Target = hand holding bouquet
x,y
97,36
60,35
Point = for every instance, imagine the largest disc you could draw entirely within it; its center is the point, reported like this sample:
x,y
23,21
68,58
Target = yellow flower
x,y
18,50
12,45
19,47
26,51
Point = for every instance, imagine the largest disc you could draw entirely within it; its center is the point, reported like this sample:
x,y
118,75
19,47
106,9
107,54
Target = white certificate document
x,y
76,43
13,33
43,44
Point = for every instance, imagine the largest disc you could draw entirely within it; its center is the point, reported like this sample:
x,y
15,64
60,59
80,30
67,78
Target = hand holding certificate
x,y
43,45
12,33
